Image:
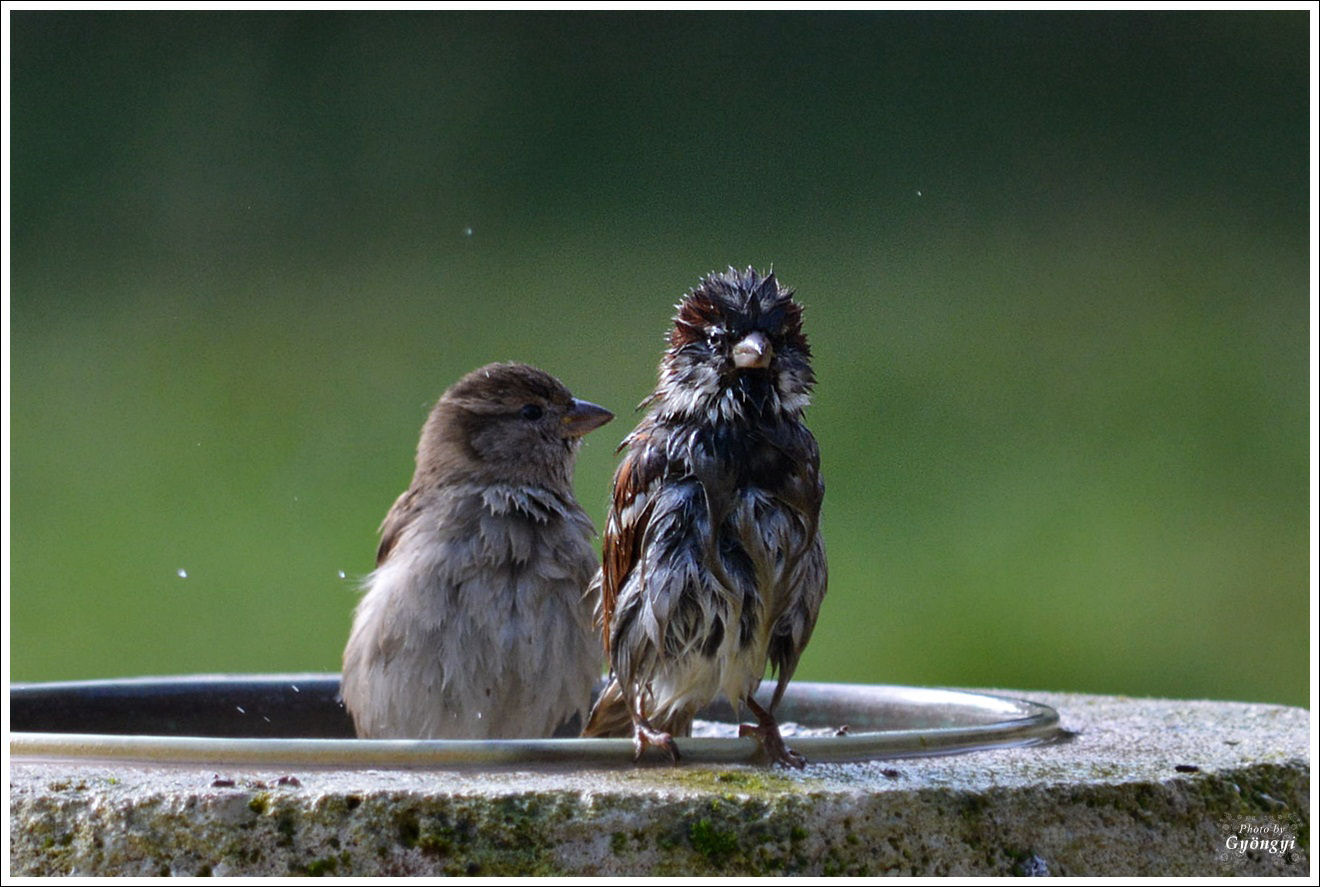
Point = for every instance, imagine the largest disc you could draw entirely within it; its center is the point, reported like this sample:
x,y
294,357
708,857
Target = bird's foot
x,y
766,732
772,745
644,734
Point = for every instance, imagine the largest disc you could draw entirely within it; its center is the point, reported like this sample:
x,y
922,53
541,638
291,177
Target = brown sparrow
x,y
474,623
713,562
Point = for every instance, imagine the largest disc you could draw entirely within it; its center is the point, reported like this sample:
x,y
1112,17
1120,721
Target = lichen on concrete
x,y
1140,787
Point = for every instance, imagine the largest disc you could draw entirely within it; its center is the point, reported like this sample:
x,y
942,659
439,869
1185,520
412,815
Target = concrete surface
x,y
1136,787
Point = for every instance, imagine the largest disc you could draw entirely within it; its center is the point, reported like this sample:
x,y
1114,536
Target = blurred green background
x,y
1054,269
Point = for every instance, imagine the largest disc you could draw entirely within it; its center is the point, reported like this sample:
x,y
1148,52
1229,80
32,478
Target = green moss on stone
x,y
408,829
711,841
327,865
513,835
747,781
286,824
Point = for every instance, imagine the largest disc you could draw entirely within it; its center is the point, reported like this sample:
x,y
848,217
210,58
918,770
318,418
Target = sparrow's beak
x,y
753,352
583,417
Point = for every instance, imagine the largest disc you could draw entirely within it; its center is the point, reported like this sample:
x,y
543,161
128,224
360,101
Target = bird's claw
x,y
644,735
772,745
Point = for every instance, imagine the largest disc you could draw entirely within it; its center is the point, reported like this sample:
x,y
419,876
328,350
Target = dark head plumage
x,y
737,338
738,302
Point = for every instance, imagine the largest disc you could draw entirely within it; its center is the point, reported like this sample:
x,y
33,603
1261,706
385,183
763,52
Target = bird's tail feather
x,y
609,716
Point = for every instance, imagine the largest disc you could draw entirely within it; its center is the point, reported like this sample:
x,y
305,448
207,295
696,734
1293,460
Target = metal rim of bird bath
x,y
296,720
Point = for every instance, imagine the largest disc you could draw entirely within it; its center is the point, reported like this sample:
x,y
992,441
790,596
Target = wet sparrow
x,y
474,624
713,563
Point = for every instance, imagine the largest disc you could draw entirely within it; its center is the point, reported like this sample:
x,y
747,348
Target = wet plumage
x,y
713,564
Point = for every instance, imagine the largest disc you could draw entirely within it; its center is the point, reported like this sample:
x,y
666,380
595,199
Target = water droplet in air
x,y
467,232
181,573
342,575
241,710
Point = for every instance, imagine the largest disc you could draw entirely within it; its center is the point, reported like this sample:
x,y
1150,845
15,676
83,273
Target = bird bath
x,y
257,775
296,719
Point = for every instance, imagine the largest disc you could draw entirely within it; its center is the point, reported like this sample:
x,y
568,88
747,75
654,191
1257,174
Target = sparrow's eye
x,y
531,412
